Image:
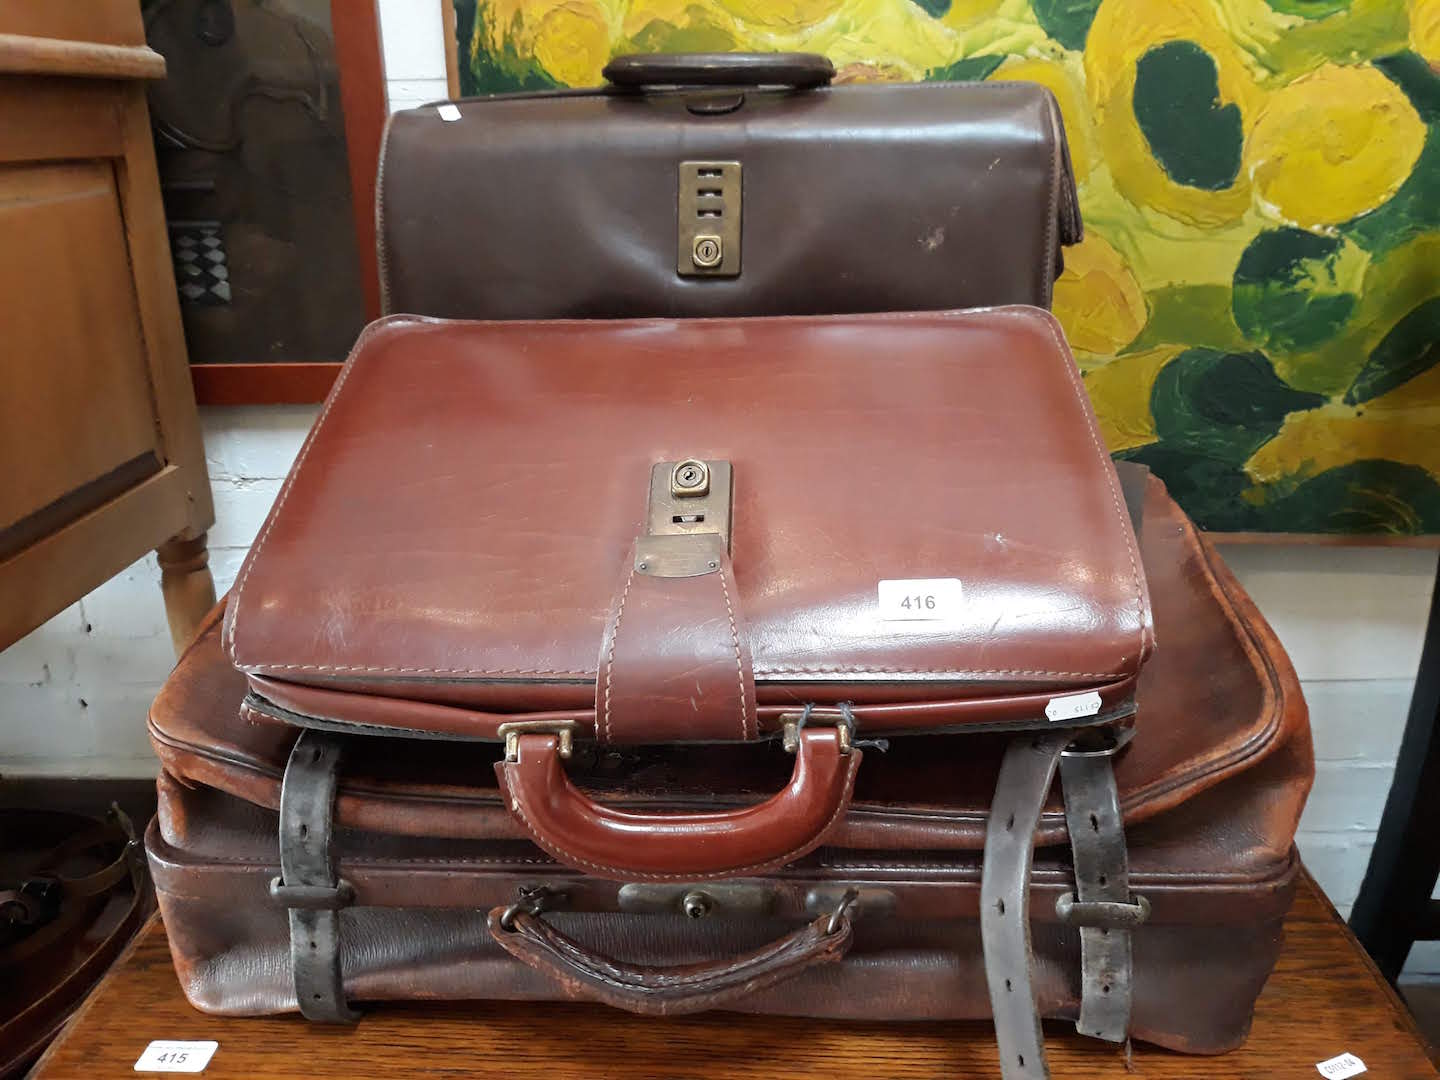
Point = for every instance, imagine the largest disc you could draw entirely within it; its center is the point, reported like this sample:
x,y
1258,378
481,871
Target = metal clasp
x,y
707,218
1101,742
688,527
534,899
698,901
837,917
511,732
842,718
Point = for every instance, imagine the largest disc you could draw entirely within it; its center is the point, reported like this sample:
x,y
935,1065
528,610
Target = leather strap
x,y
1102,878
1102,905
1026,773
308,883
674,665
657,991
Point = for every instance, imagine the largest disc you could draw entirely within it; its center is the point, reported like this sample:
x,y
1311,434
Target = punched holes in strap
x,y
308,884
1104,910
1026,772
1101,905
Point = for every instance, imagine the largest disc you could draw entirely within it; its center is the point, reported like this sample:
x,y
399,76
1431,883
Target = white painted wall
x,y
73,695
414,45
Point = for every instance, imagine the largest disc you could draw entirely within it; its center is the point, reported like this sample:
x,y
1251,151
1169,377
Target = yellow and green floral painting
x,y
1256,303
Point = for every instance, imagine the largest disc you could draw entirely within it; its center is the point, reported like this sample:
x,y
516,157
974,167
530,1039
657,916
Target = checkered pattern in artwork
x,y
201,271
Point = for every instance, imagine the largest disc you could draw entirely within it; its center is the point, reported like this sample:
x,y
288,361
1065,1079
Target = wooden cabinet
x,y
100,453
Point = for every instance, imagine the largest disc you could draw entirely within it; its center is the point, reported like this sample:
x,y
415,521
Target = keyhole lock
x,y
707,252
696,905
690,478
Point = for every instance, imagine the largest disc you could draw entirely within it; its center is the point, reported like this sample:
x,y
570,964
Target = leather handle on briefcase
x,y
802,71
628,845
661,991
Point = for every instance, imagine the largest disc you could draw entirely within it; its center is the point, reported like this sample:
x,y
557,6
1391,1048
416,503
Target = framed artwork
x,y
1256,303
267,130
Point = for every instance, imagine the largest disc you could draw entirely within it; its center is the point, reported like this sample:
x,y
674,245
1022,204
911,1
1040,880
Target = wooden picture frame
x,y
355,25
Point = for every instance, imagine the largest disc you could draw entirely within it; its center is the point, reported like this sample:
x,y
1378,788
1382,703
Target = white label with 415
x,y
920,599
171,1055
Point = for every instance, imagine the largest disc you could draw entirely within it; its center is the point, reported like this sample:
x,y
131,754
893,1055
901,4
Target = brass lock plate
x,y
689,497
708,216
689,519
698,901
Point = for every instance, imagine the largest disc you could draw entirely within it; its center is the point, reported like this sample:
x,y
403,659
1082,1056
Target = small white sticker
x,y
920,599
448,112
1337,1068
1073,706
167,1055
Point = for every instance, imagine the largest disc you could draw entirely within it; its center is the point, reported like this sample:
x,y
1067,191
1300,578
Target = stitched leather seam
x,y
1052,228
392,864
261,669
923,671
739,666
610,662
382,253
517,804
254,556
603,969
1079,387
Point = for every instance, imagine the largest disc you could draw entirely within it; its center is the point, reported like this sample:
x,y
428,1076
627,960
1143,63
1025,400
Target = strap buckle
x,y
1100,742
313,897
1102,914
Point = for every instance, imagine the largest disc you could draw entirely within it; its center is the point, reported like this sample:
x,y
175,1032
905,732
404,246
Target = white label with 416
x,y
920,599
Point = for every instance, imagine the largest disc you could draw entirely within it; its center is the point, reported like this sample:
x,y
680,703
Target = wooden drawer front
x,y
77,405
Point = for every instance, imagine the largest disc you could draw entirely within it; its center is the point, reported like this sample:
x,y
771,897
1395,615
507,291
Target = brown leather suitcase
x,y
729,184
547,614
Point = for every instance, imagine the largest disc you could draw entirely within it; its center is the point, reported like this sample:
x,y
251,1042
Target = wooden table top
x,y
1324,999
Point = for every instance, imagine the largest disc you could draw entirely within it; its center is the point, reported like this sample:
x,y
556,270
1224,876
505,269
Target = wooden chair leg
x,y
187,585
1394,906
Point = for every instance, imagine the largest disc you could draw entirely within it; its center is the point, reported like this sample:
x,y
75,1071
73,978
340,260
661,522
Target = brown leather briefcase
x,y
729,663
729,184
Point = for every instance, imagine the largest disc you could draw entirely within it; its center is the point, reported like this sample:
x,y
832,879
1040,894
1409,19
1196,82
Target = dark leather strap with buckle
x,y
1101,905
308,884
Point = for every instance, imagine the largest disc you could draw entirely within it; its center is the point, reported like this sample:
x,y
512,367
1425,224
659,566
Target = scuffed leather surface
x,y
419,928
434,541
626,844
564,204
1219,699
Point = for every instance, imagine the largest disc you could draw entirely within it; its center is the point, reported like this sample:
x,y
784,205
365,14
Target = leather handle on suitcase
x,y
628,845
802,71
668,991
